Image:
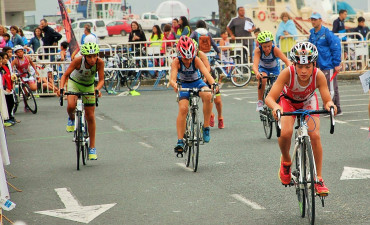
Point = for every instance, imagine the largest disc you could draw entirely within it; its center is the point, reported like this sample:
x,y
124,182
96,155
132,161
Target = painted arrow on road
x,y
74,210
351,173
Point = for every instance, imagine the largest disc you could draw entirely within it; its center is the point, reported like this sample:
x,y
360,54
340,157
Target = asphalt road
x,y
236,182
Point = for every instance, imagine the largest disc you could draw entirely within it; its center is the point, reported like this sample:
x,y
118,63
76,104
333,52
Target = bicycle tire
x,y
217,73
16,102
85,147
267,123
133,81
240,76
29,100
300,192
78,138
309,182
188,143
196,141
112,83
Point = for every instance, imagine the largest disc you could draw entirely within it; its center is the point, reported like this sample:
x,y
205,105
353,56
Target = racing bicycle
x,y
240,75
81,133
22,89
304,175
193,136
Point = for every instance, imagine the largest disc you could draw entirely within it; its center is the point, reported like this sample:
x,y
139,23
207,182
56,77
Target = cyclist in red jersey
x,y
22,63
295,86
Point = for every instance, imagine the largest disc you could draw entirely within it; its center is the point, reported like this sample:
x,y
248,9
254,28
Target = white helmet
x,y
18,47
304,53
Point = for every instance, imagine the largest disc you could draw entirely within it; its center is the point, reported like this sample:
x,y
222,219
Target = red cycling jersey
x,y
23,66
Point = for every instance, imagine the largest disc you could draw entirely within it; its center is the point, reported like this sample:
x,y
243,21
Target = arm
x,y
322,85
277,88
199,65
230,32
100,66
142,36
214,45
193,35
282,56
222,43
33,65
335,49
174,70
203,57
335,26
256,62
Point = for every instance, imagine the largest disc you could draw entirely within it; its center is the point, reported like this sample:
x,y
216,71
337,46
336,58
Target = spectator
x,y
201,30
36,42
338,24
361,28
184,28
167,37
329,58
256,32
51,37
175,26
8,88
236,29
2,30
7,40
286,27
136,34
225,56
16,38
24,39
2,41
47,83
156,36
65,55
88,36
9,52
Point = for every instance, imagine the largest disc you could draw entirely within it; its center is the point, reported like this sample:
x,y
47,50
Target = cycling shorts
x,y
310,104
195,84
218,93
268,71
27,78
88,100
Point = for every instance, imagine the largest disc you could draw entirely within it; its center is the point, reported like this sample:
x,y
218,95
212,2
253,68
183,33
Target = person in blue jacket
x,y
329,59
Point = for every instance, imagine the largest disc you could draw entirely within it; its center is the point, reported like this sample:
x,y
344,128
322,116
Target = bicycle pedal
x,y
179,155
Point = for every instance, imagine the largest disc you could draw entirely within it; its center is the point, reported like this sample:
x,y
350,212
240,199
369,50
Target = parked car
x,y
211,27
30,27
118,27
148,20
97,27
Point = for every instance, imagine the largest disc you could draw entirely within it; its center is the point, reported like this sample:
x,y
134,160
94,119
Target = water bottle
x,y
6,204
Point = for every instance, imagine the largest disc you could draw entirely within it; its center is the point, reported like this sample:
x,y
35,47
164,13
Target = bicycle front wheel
x,y
240,75
85,146
309,179
267,123
196,141
133,81
78,138
16,101
297,173
29,99
188,142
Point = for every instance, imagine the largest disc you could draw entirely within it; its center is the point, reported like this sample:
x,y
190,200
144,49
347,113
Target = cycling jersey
x,y
188,74
23,65
84,76
268,61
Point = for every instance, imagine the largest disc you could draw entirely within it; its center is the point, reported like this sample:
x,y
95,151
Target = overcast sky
x,y
196,7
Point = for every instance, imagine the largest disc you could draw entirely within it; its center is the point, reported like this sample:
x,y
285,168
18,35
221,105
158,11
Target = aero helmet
x,y
18,47
89,48
185,47
265,36
304,53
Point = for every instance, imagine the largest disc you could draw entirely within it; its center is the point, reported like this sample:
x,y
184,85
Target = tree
x,y
226,10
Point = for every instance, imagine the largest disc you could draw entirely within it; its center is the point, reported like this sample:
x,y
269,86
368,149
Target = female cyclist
x,y
296,87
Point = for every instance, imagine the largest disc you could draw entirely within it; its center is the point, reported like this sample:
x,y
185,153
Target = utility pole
x,y
2,12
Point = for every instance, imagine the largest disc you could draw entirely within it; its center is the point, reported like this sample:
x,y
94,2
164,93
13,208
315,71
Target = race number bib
x,y
303,59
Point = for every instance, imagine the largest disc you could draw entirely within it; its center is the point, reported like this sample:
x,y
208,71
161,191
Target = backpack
x,y
204,42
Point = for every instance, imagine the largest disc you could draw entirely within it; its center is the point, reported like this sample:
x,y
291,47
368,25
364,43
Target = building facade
x,y
12,11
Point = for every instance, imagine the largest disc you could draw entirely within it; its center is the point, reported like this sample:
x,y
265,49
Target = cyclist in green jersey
x,y
81,76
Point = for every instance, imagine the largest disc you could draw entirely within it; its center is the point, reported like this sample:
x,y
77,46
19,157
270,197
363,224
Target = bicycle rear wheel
x,y
240,75
85,146
196,141
111,81
29,99
188,142
298,172
78,138
309,182
268,119
133,81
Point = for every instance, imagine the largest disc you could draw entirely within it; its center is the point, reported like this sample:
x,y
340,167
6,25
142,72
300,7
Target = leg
x,y
336,99
91,125
33,86
218,104
287,123
181,118
262,89
316,143
71,106
207,106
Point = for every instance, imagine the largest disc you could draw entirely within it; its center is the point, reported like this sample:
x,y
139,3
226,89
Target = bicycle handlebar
x,y
266,77
78,94
305,113
195,90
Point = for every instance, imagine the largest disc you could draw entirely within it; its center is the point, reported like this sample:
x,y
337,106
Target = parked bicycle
x,y
23,91
266,114
303,162
240,75
193,136
81,134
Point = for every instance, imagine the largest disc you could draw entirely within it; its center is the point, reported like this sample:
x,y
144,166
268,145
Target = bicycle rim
x,y
240,76
85,147
78,139
16,102
309,180
299,160
196,141
267,123
188,142
133,81
30,100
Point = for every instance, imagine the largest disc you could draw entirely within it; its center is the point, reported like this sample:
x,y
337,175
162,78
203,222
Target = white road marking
x,y
355,112
364,128
252,102
145,145
351,173
339,121
99,118
352,105
182,165
220,163
118,128
241,93
246,201
235,90
356,120
74,210
241,98
359,99
353,95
